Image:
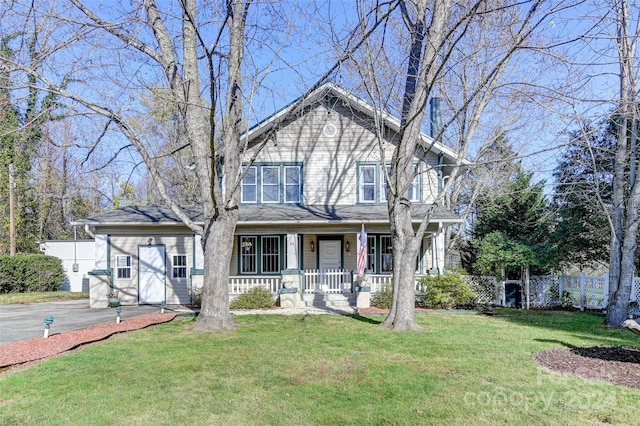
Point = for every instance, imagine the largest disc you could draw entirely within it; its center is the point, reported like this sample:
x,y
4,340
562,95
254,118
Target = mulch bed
x,y
37,348
618,365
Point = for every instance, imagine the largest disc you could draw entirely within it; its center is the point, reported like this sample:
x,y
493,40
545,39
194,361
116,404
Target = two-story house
x,y
303,202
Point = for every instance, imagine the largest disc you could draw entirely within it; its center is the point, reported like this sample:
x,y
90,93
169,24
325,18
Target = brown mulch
x,y
617,365
37,348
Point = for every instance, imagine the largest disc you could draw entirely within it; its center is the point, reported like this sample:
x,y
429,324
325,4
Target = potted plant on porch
x,y
113,299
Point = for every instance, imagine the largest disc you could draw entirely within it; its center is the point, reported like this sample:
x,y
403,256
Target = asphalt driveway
x,y
18,322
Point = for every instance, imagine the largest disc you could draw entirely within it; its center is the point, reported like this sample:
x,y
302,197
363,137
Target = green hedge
x,y
30,273
446,291
256,298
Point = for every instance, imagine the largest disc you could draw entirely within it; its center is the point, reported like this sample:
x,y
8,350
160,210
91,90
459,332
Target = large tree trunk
x,y
217,244
406,247
421,72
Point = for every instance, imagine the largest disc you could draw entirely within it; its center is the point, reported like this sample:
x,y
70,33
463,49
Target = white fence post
x,y
583,297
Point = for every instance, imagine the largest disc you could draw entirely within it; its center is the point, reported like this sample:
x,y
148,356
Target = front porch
x,y
316,287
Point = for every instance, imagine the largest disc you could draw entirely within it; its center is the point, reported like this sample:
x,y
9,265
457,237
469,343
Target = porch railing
x,y
377,282
327,281
243,283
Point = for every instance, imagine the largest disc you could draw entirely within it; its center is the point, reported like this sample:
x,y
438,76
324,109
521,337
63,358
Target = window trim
x,y
259,254
175,268
415,184
120,269
361,183
380,183
254,185
277,185
281,186
285,184
263,256
241,262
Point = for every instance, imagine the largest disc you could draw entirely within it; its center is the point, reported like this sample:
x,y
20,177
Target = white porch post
x,y
437,250
292,251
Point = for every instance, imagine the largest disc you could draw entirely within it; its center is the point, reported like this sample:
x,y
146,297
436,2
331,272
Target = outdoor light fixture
x,y
149,241
347,246
118,312
313,246
48,320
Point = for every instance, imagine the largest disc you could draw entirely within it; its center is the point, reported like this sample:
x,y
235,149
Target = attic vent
x,y
329,130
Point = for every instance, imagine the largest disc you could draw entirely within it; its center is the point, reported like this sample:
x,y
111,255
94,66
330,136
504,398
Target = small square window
x,y
123,267
179,266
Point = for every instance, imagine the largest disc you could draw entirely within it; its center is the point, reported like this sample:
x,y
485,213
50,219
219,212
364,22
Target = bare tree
x,y
196,52
626,188
434,33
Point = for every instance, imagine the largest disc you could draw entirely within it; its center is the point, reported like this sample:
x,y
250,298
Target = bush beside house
x,y
30,273
256,298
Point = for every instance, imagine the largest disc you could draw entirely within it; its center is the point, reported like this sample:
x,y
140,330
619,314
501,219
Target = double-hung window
x,y
179,266
123,265
250,186
292,184
272,183
414,187
368,183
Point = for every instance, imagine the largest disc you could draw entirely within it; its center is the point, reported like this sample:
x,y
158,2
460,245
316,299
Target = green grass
x,y
47,296
463,369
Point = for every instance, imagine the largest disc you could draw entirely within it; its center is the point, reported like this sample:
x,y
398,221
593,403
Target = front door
x,y
151,271
330,265
330,255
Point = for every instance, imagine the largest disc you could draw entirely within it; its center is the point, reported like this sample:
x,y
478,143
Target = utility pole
x,y
12,212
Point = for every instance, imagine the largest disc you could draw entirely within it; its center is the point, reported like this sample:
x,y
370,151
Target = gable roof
x,y
267,214
354,102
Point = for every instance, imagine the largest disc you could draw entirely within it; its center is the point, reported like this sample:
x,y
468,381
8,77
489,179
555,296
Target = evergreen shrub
x,y
446,291
256,298
24,273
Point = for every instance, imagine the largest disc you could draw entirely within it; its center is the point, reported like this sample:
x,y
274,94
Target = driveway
x,y
18,322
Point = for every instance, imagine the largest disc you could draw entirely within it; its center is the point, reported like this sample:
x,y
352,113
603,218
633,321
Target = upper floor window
x,y
250,186
414,188
271,183
373,186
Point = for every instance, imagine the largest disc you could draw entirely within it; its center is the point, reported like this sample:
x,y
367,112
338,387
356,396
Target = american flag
x,y
362,254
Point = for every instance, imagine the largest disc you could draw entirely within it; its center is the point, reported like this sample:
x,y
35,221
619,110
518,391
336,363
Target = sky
x,y
288,59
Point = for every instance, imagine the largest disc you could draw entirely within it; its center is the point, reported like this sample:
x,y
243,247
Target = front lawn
x,y
463,369
39,297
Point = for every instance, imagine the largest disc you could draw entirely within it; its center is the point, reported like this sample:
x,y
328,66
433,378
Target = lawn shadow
x,y
576,323
610,353
556,342
366,319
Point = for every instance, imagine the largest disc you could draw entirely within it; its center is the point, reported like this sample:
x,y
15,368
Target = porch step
x,y
339,300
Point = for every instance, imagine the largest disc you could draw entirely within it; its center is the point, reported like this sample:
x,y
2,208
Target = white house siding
x,y
78,258
177,290
330,162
